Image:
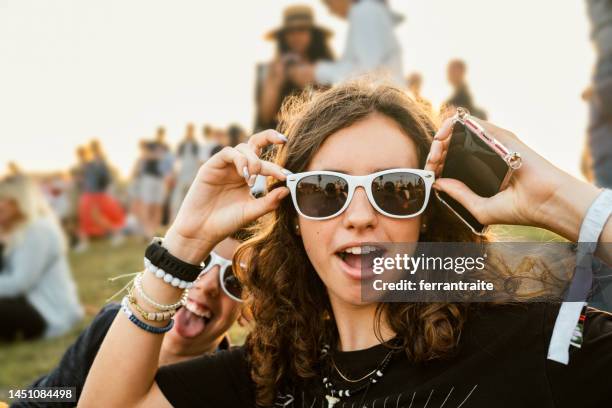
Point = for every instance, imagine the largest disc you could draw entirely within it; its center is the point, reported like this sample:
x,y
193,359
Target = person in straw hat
x,y
299,40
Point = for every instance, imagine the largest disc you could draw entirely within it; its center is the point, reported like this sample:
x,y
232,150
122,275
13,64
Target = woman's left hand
x,y
538,193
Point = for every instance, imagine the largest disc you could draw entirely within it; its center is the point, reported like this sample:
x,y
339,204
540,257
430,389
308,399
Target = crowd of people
x,y
292,280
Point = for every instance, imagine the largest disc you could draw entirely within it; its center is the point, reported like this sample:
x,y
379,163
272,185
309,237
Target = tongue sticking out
x,y
188,324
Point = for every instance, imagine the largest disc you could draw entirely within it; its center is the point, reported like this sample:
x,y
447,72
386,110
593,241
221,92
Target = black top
x,y
78,358
500,362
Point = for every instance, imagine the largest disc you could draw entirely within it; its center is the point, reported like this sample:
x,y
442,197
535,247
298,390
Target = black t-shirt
x,y
79,357
500,362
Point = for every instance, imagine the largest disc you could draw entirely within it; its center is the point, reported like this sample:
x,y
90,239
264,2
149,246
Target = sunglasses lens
x,y
321,195
231,283
400,194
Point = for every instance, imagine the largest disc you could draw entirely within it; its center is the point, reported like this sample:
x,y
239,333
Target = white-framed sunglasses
x,y
228,280
396,193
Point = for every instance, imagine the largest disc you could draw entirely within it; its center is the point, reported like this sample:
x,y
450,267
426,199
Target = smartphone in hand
x,y
479,161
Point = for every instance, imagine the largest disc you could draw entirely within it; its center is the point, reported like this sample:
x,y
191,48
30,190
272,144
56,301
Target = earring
x,y
297,229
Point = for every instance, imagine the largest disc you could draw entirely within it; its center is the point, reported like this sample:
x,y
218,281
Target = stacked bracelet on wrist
x,y
173,271
158,306
147,327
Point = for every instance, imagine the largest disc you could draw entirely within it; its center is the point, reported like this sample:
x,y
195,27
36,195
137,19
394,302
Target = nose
x,y
360,214
208,283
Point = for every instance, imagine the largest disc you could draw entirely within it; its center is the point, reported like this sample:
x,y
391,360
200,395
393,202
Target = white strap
x,y
569,312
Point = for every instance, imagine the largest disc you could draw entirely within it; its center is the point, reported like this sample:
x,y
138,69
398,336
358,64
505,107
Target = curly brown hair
x,y
292,311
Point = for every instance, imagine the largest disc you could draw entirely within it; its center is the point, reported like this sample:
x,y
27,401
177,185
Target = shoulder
x,y
41,230
368,9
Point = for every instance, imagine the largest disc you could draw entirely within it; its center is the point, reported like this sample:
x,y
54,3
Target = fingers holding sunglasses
x,y
257,207
248,165
254,165
262,139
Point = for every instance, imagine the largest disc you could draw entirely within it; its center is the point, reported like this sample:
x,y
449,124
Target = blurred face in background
x,y
338,8
161,134
298,40
190,132
9,212
220,137
456,73
414,84
82,154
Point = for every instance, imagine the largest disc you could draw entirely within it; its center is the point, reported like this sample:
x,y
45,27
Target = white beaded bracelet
x,y
159,306
167,277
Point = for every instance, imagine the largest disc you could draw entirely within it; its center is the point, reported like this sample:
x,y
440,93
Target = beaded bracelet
x,y
151,329
159,306
166,277
150,316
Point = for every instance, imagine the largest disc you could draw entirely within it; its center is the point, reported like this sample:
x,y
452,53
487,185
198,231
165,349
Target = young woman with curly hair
x,y
313,333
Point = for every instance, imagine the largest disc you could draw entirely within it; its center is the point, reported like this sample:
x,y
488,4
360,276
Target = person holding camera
x,y
298,41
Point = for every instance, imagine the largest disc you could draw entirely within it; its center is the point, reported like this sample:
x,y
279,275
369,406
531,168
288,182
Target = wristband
x,y
569,313
146,327
162,259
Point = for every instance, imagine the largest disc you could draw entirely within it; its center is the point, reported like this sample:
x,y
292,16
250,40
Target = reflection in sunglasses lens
x,y
321,195
399,193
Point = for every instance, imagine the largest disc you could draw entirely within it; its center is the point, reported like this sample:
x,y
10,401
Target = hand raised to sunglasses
x,y
539,194
219,200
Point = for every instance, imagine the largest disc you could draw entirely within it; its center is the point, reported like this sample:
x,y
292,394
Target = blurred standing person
x,y
166,167
414,82
152,188
37,294
209,143
298,40
56,190
135,219
371,46
461,97
100,214
188,162
600,122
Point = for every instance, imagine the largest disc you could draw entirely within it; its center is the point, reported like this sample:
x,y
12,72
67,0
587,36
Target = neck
x,y
174,350
356,325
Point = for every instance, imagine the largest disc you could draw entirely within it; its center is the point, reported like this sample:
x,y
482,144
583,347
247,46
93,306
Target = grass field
x,y
21,363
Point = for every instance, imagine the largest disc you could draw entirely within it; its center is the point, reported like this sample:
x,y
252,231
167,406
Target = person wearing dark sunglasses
x,y
359,163
213,305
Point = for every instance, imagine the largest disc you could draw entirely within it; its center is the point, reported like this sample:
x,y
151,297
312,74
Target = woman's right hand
x,y
219,200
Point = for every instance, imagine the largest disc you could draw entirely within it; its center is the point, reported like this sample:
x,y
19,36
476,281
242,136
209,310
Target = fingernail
x,y
282,137
251,181
286,172
245,173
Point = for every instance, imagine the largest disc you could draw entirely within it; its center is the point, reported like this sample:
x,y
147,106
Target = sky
x,y
72,70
